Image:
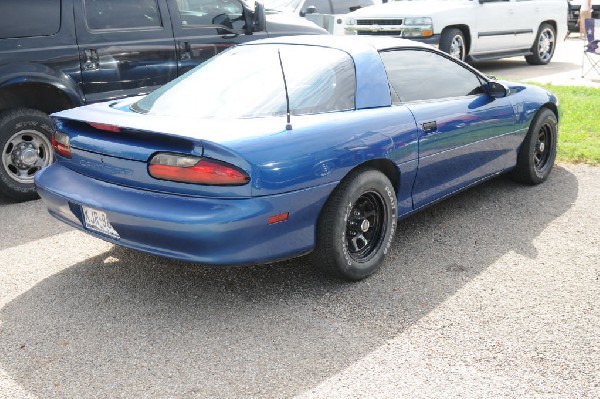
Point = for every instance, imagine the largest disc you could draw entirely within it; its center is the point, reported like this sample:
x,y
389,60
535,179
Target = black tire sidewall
x,y
526,166
12,122
370,180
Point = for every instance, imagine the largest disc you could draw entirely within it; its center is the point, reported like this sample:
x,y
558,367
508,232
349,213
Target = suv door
x,y
495,26
126,48
203,28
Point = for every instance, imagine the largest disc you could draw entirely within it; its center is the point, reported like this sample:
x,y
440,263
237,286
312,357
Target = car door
x,y
464,134
126,48
203,28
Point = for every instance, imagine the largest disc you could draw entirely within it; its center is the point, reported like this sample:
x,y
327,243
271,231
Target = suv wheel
x,y
543,47
25,141
453,43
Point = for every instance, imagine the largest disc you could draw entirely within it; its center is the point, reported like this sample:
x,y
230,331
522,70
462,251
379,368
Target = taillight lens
x,y
191,169
60,143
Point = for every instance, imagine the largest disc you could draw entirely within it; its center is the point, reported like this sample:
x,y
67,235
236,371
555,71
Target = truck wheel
x,y
543,47
356,226
538,150
453,43
25,141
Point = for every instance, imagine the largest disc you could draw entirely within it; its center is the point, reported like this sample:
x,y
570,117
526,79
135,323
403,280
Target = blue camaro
x,y
284,146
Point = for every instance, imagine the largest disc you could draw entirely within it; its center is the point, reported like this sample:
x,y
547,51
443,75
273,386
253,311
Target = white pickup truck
x,y
472,30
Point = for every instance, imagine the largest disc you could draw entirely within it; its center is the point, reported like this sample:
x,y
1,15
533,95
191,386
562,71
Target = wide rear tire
x,y
356,226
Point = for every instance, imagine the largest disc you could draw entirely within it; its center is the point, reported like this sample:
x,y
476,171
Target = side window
x,y
424,75
227,13
119,14
326,84
27,18
322,6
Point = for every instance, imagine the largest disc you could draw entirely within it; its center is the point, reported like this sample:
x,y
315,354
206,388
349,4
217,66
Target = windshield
x,y
247,82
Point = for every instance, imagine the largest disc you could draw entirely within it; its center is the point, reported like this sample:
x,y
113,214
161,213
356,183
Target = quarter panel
x,y
322,148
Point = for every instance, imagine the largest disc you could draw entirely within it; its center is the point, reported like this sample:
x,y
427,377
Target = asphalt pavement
x,y
492,293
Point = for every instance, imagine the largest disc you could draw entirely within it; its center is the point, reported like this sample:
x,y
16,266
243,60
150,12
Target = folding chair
x,y
591,51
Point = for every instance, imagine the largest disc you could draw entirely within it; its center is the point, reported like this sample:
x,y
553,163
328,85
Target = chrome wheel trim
x,y
546,44
457,47
25,153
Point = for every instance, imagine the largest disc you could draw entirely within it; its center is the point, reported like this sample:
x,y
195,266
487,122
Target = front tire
x,y
543,47
453,43
356,226
538,150
25,142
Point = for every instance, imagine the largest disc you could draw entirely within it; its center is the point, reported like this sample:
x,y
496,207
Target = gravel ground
x,y
492,293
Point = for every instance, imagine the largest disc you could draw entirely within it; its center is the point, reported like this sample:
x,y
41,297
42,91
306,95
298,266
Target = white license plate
x,y
98,221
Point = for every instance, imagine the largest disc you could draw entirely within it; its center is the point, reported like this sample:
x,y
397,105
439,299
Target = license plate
x,y
96,220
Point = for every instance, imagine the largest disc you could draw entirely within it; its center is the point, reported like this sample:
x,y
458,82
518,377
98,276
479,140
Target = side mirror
x,y
311,10
259,20
496,89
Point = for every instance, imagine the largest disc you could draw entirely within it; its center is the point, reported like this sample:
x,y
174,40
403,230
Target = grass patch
x,y
579,128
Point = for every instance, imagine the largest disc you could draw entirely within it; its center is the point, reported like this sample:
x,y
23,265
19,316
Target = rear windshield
x,y
28,18
247,81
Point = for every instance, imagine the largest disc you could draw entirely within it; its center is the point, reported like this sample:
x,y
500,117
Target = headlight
x,y
418,21
418,27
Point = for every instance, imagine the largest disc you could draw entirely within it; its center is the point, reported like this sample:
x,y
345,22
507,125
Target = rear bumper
x,y
204,230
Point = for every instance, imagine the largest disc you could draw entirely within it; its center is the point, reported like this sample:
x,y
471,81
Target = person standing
x,y
584,12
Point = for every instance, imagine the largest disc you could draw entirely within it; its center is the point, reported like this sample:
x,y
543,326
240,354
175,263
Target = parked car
x,y
283,157
574,7
58,54
471,30
328,14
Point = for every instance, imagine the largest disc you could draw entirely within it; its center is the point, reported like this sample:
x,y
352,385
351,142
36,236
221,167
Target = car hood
x,y
220,131
409,9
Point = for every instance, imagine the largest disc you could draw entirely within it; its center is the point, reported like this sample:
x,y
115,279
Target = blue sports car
x,y
280,147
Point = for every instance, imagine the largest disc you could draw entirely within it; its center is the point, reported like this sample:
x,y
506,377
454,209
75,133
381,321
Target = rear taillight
x,y
60,143
191,169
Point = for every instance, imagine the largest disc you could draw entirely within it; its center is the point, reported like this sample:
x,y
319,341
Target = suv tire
x,y
26,145
543,47
453,43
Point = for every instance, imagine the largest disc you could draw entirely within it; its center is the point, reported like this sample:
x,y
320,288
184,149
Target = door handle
x,y
92,60
185,51
429,127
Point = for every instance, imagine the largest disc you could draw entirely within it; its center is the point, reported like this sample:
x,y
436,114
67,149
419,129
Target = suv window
x,y
119,14
29,18
409,75
226,13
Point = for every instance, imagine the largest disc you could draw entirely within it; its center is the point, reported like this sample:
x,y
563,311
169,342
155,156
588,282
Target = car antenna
x,y
288,125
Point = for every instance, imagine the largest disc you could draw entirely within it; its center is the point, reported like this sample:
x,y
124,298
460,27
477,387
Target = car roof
x,y
372,86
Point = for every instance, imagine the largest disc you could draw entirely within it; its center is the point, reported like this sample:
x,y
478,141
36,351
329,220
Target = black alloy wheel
x,y
364,226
